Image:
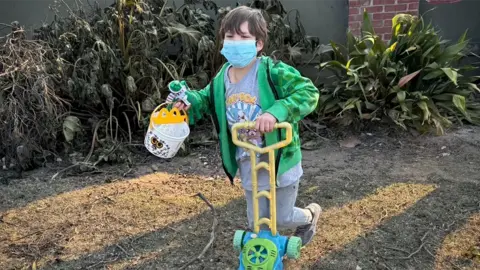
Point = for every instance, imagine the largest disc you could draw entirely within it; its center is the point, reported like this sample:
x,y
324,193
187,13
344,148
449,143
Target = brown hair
x,y
257,26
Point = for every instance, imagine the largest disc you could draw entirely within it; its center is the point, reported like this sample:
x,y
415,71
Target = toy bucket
x,y
167,131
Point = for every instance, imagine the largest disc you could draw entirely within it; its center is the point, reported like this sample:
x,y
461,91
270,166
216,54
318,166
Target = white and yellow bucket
x,y
167,131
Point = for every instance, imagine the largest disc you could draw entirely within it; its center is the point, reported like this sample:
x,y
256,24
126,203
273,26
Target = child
x,y
251,88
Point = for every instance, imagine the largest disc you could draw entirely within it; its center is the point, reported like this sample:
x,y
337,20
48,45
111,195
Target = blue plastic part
x,y
278,240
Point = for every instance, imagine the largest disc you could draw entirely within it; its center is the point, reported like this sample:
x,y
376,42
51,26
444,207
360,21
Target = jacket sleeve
x,y
200,104
300,96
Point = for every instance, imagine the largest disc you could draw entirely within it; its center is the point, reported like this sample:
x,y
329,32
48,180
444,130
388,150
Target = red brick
x,y
354,11
383,16
354,25
355,18
407,1
413,6
353,3
387,37
387,23
374,9
383,30
356,32
384,2
378,23
396,8
412,12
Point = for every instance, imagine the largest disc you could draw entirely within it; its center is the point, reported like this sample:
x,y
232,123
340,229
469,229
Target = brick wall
x,y
381,12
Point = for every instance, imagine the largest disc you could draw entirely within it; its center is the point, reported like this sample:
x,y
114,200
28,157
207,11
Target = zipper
x,y
217,128
279,132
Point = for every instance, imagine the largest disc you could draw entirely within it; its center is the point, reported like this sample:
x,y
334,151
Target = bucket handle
x,y
161,107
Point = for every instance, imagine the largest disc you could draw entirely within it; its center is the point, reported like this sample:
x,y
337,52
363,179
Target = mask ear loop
x,y
261,52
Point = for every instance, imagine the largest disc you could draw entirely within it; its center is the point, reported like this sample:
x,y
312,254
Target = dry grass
x,y
76,223
73,224
463,244
341,225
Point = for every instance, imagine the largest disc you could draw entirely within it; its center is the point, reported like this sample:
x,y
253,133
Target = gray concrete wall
x,y
453,19
32,13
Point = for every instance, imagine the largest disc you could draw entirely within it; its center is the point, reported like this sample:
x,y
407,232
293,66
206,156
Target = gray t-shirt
x,y
242,103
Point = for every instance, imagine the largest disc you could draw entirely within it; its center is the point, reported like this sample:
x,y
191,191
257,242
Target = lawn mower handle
x,y
251,125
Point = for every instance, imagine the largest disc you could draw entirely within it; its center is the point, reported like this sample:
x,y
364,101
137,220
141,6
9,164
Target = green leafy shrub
x,y
413,81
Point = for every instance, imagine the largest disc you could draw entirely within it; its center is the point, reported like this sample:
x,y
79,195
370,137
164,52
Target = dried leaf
x,y
403,81
71,126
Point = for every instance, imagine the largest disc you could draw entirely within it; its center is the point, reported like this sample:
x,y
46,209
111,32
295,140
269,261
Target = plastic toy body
x,y
264,249
179,91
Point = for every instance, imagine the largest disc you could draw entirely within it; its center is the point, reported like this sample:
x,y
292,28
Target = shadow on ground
x,y
160,226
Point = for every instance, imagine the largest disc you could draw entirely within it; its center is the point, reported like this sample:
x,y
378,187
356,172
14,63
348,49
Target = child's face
x,y
244,35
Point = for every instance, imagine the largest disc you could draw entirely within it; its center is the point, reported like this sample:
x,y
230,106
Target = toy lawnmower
x,y
264,249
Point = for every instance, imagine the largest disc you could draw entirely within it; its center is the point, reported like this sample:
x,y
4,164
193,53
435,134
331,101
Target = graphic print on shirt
x,y
243,107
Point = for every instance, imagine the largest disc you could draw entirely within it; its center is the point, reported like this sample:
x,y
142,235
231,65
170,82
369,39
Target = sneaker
x,y
306,232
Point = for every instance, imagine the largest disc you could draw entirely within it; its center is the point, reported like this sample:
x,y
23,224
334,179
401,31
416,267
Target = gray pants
x,y
288,216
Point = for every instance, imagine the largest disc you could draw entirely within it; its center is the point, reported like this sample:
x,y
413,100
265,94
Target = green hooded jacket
x,y
283,93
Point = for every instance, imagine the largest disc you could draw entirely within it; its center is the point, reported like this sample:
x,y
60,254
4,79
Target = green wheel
x,y
293,247
238,240
259,254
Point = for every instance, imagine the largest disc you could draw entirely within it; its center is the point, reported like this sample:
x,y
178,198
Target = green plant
x,y
287,39
414,80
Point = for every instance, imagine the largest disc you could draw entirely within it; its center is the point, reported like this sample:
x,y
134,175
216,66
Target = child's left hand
x,y
265,123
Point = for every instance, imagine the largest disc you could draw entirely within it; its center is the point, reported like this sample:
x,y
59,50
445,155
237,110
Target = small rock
x,y
443,147
445,154
154,167
350,142
59,160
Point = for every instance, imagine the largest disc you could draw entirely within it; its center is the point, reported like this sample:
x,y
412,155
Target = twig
x,y
455,266
6,222
120,247
27,235
212,233
413,253
397,249
429,252
129,129
92,147
101,262
127,172
311,130
71,167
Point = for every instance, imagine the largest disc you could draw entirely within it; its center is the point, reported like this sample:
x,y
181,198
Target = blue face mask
x,y
239,53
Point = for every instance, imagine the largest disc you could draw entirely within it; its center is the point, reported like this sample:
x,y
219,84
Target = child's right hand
x,y
181,106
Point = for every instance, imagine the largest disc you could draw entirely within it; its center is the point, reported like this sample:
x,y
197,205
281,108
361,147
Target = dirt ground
x,y
394,201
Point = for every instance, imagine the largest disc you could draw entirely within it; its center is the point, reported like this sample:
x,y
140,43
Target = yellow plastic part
x,y
162,115
270,166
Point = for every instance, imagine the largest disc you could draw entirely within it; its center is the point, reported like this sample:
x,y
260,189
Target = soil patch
x,y
390,202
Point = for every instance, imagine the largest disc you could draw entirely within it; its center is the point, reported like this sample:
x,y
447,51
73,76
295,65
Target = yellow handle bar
x,y
251,125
